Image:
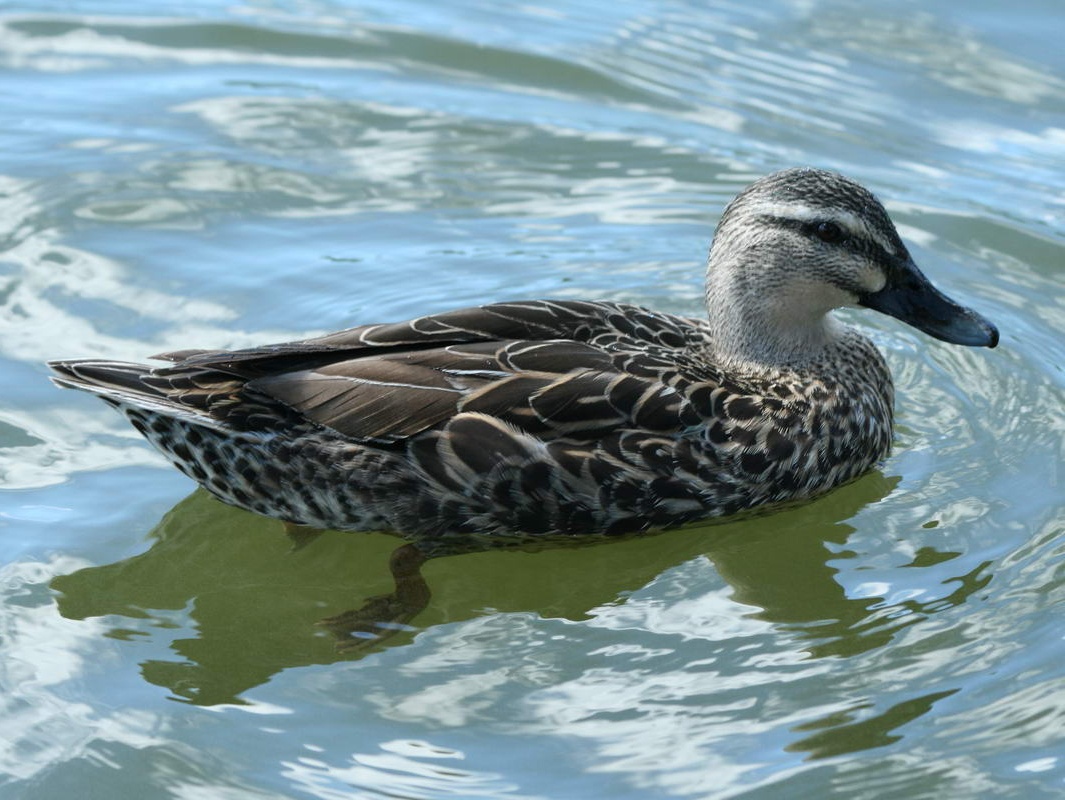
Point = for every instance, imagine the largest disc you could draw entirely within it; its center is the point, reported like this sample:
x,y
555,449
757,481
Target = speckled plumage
x,y
566,417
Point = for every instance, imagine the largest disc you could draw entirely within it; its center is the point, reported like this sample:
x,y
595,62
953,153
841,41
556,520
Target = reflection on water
x,y
253,598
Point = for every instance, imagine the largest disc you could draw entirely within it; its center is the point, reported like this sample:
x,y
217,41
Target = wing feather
x,y
550,368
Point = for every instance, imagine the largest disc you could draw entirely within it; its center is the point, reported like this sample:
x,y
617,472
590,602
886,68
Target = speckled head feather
x,y
792,247
566,417
806,195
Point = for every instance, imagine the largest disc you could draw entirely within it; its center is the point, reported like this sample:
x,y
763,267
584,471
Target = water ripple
x,y
261,171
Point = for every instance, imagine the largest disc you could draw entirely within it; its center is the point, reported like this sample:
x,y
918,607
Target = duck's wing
x,y
553,369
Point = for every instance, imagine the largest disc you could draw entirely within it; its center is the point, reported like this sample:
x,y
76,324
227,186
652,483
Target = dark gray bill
x,y
911,297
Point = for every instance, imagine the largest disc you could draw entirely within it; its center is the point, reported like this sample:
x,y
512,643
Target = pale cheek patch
x,y
872,280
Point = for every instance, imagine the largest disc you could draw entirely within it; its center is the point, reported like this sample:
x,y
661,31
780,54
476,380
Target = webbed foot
x,y
383,616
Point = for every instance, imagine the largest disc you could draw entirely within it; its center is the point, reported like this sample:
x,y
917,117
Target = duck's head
x,y
798,243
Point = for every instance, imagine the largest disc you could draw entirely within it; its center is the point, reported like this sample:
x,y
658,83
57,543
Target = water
x,y
220,174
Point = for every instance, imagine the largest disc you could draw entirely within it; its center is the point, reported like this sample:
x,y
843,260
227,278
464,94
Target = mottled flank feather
x,y
550,417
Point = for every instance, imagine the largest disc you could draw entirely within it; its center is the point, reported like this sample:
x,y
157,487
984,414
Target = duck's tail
x,y
125,386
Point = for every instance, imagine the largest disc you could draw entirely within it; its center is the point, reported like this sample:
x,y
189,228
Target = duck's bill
x,y
911,297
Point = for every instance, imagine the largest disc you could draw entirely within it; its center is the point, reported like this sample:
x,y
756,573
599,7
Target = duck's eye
x,y
828,232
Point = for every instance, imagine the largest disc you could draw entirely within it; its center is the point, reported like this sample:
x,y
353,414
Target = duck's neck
x,y
754,324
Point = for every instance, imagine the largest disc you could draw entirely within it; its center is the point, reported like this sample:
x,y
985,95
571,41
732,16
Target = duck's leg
x,y
300,535
384,615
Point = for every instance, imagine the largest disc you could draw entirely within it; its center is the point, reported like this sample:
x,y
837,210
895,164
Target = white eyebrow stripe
x,y
802,212
793,210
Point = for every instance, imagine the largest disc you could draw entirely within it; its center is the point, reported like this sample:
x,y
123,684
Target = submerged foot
x,y
301,535
385,615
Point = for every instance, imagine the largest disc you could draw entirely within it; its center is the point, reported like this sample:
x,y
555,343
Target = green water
x,y
220,174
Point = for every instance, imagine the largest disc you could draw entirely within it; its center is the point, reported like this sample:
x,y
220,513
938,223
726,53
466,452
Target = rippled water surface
x,y
219,174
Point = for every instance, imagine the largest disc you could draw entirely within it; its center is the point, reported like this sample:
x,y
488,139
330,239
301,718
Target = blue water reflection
x,y
224,174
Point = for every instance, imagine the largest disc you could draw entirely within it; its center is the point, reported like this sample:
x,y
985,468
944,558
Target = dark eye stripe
x,y
870,248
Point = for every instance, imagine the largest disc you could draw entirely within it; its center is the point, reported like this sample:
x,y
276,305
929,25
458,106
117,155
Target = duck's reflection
x,y
257,602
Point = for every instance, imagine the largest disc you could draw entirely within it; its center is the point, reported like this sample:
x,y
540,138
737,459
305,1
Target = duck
x,y
567,418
